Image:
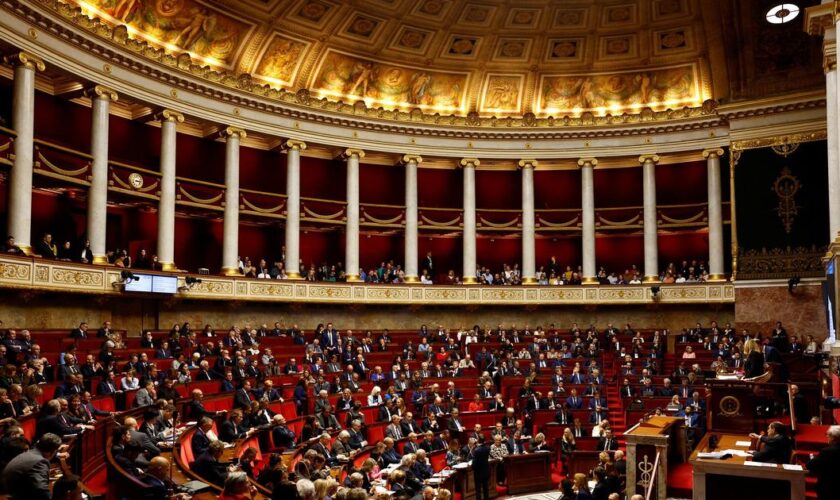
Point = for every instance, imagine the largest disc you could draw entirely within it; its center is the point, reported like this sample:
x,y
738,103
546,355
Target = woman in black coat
x,y
754,365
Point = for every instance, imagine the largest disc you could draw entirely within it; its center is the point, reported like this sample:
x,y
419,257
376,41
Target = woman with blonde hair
x,y
323,487
581,487
753,359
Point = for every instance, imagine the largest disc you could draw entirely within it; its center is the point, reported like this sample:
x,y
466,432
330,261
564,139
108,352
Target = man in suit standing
x,y
242,399
27,476
428,264
481,470
826,464
394,431
455,426
608,442
282,436
200,441
81,332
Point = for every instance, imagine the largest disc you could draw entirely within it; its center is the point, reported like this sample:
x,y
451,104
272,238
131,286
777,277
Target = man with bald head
x,y
157,478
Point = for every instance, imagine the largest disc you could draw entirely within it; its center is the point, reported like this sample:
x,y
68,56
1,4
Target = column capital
x,y
25,59
350,152
820,17
469,163
102,92
528,163
587,162
650,157
168,115
293,144
411,158
712,153
233,131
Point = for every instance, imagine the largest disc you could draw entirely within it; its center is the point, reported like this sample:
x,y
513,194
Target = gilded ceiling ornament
x,y
786,186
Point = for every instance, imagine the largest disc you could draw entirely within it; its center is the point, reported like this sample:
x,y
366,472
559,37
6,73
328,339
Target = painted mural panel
x,y
280,60
178,25
342,75
618,92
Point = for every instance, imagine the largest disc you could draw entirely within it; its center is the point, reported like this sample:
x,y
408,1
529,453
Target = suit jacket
x,y
283,436
200,443
55,424
776,450
410,447
408,426
230,432
340,448
563,417
143,398
453,428
394,432
210,469
197,410
242,399
391,456
825,467
604,446
27,476
481,462
146,442
106,387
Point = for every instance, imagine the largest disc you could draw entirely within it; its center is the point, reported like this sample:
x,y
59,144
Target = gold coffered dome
x,y
458,57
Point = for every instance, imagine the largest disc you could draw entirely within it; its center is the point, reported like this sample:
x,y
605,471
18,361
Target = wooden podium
x,y
528,473
650,445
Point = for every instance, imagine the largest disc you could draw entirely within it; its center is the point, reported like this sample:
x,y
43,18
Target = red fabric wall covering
x,y
447,253
132,228
377,248
381,184
618,187
261,242
683,245
494,251
4,193
320,178
681,183
62,122
321,246
134,143
199,158
440,188
498,189
60,215
198,243
617,252
557,189
262,170
565,248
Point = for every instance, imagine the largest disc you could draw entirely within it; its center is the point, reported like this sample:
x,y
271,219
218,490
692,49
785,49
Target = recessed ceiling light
x,y
782,13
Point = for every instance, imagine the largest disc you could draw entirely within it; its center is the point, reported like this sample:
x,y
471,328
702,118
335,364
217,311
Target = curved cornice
x,y
93,51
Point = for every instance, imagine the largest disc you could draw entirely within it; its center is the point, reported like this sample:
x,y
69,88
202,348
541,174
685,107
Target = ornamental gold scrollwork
x,y
786,186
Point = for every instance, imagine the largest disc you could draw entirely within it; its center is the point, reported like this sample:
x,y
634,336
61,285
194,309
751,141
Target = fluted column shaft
x,y
293,149
169,121
715,214
23,121
351,250
649,196
832,111
97,214
529,257
587,176
411,236
469,254
230,243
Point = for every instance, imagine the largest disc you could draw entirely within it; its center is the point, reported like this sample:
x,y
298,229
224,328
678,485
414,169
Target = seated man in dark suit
x,y
54,422
200,441
127,459
608,442
233,428
208,467
157,479
282,436
773,447
826,464
196,408
27,476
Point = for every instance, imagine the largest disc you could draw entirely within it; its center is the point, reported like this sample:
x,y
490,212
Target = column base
x,y
412,279
529,280
589,280
171,267
294,276
231,271
100,260
716,278
352,278
469,280
650,279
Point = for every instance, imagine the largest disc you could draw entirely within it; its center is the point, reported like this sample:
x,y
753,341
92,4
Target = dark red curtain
x,y
498,189
618,187
556,189
321,178
381,184
617,252
440,188
682,183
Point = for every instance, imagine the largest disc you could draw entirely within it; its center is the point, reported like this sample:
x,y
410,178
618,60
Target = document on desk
x,y
745,444
714,455
759,464
792,467
737,453
462,465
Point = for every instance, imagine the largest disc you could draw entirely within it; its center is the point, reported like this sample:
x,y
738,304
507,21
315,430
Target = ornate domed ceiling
x,y
493,57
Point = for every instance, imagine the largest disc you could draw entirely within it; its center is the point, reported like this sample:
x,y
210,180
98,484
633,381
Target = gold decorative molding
x,y
350,152
587,162
25,59
168,115
37,274
528,163
411,158
781,263
469,162
102,92
649,157
294,144
779,140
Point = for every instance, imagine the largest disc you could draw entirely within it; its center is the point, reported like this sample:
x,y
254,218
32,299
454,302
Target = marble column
x,y
712,157
97,206
587,176
230,239
469,254
23,121
411,260
292,263
649,196
351,238
529,257
169,121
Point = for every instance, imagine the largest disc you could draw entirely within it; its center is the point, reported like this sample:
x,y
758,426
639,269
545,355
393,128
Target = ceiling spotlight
x,y
782,13
127,276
